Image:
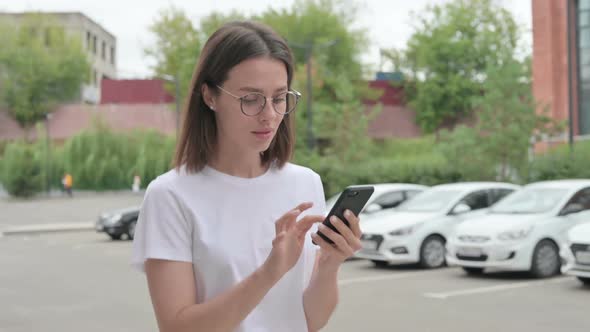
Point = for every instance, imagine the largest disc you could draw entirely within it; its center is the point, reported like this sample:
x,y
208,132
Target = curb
x,y
48,228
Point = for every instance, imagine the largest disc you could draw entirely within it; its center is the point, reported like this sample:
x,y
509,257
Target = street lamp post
x,y
47,155
570,77
308,47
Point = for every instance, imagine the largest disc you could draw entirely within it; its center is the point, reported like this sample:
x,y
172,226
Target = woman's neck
x,y
240,164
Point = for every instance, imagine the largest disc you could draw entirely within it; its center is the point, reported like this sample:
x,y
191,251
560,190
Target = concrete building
x,y
100,45
561,68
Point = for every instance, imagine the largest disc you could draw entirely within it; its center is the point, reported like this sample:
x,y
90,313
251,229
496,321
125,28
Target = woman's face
x,y
264,75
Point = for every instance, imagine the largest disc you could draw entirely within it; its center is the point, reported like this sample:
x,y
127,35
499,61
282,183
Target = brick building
x,y
561,69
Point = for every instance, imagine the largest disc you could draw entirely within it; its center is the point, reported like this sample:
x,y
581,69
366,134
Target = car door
x,y
476,200
567,221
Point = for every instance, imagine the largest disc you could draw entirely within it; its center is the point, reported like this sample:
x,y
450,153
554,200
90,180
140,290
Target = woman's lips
x,y
263,134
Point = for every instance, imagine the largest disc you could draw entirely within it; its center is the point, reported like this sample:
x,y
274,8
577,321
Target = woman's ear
x,y
208,96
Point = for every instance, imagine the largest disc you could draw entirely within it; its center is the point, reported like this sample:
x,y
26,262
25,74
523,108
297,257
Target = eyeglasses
x,y
253,103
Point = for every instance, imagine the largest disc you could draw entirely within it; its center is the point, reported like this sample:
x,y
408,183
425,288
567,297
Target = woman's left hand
x,y
345,244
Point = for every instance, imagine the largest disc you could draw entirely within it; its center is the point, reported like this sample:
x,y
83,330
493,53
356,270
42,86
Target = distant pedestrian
x,y
136,183
67,183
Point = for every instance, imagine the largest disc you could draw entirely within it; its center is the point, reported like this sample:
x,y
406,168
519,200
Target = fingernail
x,y
333,219
347,213
322,227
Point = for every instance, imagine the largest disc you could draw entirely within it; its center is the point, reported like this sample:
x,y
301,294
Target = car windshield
x,y
430,201
530,200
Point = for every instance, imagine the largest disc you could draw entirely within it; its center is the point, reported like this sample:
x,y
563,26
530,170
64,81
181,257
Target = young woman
x,y
225,238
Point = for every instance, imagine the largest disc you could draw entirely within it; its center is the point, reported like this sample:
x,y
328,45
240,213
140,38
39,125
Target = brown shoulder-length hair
x,y
231,44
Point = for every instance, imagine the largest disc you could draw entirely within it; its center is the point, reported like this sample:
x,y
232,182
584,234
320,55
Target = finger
x,y
304,206
338,240
289,219
306,222
324,244
352,240
354,223
292,214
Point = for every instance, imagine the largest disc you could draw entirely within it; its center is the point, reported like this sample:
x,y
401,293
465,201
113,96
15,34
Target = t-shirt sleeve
x,y
319,208
163,231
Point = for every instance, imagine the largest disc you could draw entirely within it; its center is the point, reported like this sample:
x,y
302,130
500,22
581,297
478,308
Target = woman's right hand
x,y
289,240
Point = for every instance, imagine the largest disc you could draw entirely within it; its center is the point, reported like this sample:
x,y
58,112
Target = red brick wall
x,y
550,66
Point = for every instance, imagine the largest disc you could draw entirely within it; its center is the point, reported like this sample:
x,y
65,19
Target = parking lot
x,y
82,281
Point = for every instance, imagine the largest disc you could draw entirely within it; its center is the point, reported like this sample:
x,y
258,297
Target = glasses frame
x,y
296,93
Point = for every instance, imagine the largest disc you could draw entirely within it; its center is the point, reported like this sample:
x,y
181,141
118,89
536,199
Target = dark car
x,y
118,223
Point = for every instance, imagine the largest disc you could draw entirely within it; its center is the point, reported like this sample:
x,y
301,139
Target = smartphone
x,y
353,198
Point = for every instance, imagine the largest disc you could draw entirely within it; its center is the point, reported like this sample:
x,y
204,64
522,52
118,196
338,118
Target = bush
x,y
20,171
104,160
560,164
427,170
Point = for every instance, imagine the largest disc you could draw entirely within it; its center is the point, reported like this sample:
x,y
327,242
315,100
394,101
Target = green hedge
x,y
562,164
104,160
20,170
337,175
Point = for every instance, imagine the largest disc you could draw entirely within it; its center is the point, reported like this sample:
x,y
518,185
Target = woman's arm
x,y
173,292
321,296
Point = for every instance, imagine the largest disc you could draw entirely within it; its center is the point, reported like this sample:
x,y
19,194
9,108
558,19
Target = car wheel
x,y
380,263
585,281
473,270
131,229
432,252
115,236
546,260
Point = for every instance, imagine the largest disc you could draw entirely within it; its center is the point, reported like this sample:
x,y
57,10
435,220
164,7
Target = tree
x,y
176,48
338,86
40,66
448,54
339,117
498,146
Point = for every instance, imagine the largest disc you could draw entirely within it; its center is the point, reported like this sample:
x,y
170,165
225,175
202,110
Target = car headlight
x,y
515,234
113,219
405,231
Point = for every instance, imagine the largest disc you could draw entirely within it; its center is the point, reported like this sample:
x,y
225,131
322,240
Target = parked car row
x,y
486,225
543,227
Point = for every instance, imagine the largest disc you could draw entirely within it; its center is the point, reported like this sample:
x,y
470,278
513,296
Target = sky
x,y
387,21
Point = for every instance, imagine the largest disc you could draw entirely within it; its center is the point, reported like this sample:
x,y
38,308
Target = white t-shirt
x,y
224,225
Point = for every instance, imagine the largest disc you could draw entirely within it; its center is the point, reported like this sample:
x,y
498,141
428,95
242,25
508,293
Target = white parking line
x,y
379,278
491,289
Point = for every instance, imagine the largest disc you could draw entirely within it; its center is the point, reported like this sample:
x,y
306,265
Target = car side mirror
x,y
571,209
461,208
371,208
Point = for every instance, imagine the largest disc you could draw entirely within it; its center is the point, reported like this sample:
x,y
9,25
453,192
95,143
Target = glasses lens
x,y
253,103
285,103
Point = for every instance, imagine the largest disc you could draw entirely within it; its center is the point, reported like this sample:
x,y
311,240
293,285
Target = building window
x,y
583,33
112,55
94,77
94,46
104,51
88,40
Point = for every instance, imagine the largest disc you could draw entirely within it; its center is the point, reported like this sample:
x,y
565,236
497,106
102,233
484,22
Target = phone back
x,y
353,198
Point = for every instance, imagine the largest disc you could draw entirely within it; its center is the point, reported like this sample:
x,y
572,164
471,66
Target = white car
x,y
386,196
417,230
576,252
524,231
